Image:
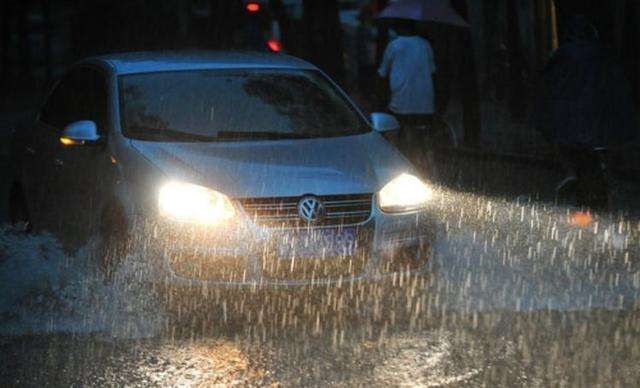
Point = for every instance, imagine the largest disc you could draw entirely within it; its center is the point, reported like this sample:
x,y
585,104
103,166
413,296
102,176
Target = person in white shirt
x,y
409,64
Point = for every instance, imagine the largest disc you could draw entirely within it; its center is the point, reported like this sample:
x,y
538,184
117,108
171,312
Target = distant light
x,y
274,45
252,7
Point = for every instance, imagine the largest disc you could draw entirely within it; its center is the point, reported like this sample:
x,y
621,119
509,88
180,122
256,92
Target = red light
x,y
274,45
253,7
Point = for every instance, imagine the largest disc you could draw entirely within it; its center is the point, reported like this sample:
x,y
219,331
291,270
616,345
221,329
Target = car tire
x,y
113,241
18,210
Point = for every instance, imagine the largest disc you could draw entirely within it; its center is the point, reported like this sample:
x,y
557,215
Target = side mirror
x,y
82,132
384,122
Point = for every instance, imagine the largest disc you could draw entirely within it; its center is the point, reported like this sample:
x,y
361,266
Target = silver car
x,y
221,168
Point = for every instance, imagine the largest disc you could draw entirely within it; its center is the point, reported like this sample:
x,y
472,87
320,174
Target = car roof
x,y
150,61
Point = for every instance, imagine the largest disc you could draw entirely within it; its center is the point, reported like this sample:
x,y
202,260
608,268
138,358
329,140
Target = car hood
x,y
275,168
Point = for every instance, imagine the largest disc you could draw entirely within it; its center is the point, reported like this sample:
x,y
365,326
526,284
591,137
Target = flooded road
x,y
515,294
584,349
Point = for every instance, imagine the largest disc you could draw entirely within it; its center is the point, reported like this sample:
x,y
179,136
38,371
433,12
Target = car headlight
x,y
186,202
404,193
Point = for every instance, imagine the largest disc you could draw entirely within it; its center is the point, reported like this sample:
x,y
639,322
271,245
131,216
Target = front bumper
x,y
243,255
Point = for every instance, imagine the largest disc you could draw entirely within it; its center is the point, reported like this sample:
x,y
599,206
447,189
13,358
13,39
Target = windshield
x,y
215,105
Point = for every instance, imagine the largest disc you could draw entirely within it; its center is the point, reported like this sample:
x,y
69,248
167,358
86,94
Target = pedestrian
x,y
408,66
584,108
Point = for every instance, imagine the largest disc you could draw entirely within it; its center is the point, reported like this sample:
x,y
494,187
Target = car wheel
x,y
18,210
113,240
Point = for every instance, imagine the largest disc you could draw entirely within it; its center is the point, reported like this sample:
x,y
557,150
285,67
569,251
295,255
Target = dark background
x,y
487,76
500,55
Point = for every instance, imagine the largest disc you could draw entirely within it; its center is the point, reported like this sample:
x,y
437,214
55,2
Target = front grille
x,y
282,212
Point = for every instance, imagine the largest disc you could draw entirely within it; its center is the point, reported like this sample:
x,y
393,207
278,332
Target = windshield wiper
x,y
170,134
232,135
149,133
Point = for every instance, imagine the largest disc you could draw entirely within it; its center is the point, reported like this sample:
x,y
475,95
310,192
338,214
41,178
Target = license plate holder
x,y
319,243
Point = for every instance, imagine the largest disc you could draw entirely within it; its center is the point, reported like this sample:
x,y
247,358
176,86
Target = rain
x,y
513,287
513,295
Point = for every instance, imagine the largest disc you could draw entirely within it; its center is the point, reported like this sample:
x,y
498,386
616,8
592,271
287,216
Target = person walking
x,y
408,66
584,108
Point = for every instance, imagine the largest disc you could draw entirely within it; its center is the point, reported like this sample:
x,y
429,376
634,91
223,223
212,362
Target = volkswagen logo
x,y
311,209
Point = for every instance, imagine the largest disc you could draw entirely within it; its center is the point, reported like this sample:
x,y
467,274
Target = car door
x,y
79,170
39,151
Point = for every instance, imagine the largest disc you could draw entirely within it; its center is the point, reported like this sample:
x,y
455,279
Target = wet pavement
x,y
542,348
514,295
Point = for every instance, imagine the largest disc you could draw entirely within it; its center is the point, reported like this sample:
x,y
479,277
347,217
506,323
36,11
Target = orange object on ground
x,y
581,219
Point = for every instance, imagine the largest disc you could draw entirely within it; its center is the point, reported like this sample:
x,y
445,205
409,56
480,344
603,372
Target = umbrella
x,y
439,11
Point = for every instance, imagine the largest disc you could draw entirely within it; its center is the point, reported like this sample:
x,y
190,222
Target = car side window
x,y
58,110
80,95
91,89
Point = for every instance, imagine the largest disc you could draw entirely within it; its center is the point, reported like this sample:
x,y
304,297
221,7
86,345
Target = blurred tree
x,y
224,22
5,30
22,19
383,31
518,71
631,46
46,32
324,36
